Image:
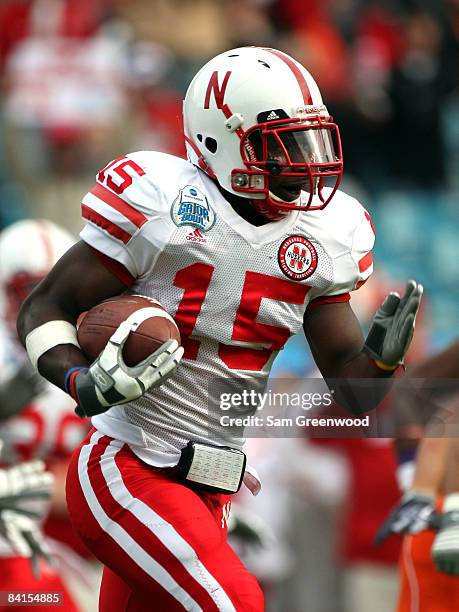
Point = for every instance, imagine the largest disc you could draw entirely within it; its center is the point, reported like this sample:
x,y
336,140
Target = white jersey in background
x,y
47,428
236,291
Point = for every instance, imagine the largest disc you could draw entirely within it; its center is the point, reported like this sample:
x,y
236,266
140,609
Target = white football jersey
x,y
47,428
236,291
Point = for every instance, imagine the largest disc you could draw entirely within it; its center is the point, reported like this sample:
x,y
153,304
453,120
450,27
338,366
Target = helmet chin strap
x,y
268,211
276,199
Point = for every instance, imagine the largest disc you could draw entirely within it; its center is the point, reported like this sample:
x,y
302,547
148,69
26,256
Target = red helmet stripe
x,y
47,244
299,76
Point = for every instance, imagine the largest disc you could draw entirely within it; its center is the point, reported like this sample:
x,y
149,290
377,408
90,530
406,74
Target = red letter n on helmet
x,y
219,92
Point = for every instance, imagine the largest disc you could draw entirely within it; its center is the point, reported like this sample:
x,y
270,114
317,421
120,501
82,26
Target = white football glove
x,y
24,536
249,528
445,549
109,381
18,525
25,481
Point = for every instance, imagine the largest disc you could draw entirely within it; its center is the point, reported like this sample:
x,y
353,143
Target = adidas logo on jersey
x,y
196,236
272,115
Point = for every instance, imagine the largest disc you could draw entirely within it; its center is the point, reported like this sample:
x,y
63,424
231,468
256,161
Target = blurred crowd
x,y
85,81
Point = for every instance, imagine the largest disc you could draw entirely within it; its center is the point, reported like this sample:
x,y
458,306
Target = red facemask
x,y
303,153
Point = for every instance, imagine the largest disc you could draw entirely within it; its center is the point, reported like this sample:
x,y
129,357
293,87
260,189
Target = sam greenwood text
x,y
299,421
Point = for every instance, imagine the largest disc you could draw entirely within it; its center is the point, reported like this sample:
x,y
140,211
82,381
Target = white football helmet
x,y
254,113
28,251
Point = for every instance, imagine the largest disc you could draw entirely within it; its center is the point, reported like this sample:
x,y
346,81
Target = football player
x,y
423,476
417,516
18,525
445,549
37,420
245,243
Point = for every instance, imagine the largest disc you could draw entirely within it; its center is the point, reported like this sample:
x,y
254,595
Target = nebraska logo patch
x,y
297,257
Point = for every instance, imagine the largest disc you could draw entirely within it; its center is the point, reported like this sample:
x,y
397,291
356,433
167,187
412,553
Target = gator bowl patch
x,y
191,207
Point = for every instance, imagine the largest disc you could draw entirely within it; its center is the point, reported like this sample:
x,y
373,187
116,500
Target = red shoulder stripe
x,y
365,262
368,218
102,222
110,198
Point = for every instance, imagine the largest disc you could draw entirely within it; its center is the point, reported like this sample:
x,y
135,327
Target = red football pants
x,y
423,588
16,575
164,546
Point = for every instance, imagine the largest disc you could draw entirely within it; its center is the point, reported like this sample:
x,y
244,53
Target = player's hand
x,y
24,536
393,326
25,481
414,513
249,528
445,549
109,381
20,390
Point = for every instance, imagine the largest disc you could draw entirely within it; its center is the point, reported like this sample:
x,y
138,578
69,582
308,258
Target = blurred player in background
x,y
445,550
424,475
19,528
37,420
244,244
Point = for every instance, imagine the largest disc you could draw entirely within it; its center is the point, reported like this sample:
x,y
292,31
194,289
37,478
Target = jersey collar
x,y
255,236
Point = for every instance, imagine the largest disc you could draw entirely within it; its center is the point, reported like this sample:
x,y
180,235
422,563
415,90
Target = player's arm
x,y
416,509
445,549
330,325
46,326
76,283
415,408
423,464
336,342
339,348
340,351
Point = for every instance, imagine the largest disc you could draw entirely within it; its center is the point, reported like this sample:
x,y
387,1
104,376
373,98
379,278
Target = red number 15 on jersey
x,y
195,281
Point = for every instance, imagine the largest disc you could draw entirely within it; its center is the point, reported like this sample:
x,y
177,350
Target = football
x,y
97,325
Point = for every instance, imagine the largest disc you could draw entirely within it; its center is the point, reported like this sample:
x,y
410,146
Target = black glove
x,y
414,513
19,390
393,326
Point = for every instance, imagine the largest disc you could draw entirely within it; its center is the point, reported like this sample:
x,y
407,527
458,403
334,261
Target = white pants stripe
x,y
149,565
411,573
163,530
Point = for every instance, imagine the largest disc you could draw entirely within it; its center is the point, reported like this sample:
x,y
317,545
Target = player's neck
x,y
243,208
